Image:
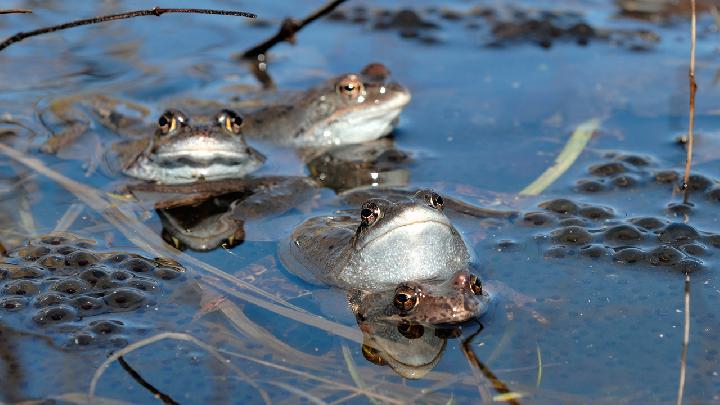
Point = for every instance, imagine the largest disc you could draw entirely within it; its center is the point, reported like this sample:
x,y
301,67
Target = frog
x,y
455,300
392,241
181,152
350,108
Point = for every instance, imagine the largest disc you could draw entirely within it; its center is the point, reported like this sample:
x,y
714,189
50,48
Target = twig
x,y
140,380
693,89
16,11
142,343
504,392
288,28
157,12
686,342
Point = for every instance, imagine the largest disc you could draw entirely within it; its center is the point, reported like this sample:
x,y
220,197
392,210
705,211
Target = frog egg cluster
x,y
627,171
60,280
596,232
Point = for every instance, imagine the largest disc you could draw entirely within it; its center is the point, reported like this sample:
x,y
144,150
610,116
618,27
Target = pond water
x,y
592,270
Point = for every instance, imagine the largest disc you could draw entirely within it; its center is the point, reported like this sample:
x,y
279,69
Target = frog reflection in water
x,y
220,220
351,108
183,153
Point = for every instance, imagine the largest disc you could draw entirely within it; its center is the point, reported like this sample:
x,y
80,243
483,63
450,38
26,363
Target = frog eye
x,y
230,120
350,86
376,72
406,299
171,120
372,355
411,330
434,200
475,285
369,213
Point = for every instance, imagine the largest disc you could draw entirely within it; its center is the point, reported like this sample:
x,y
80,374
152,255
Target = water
x,y
484,122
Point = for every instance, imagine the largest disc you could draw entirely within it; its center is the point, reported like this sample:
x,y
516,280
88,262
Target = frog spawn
x,y
497,26
59,282
631,172
596,232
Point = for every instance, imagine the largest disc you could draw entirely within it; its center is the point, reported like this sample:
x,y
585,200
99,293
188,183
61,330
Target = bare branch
x,y
288,28
16,11
157,11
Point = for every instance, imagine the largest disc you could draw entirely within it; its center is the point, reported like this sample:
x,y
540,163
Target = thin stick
x,y
140,380
504,392
157,12
16,11
288,29
686,342
142,343
693,89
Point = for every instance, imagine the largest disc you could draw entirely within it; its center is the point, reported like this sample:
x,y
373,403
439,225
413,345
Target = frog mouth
x,y
390,107
202,158
417,228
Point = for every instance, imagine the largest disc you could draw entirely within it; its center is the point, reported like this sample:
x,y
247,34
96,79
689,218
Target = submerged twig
x,y
156,11
686,342
288,28
140,380
565,159
142,343
16,11
693,89
504,392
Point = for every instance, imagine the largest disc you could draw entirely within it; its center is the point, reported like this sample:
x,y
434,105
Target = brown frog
x,y
350,108
180,152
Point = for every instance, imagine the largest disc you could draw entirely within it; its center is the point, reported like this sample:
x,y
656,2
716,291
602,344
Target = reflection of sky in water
x,y
480,119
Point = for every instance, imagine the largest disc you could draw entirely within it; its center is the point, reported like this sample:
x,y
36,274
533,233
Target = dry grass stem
x,y
693,89
302,374
574,146
354,374
69,217
686,341
299,392
241,323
